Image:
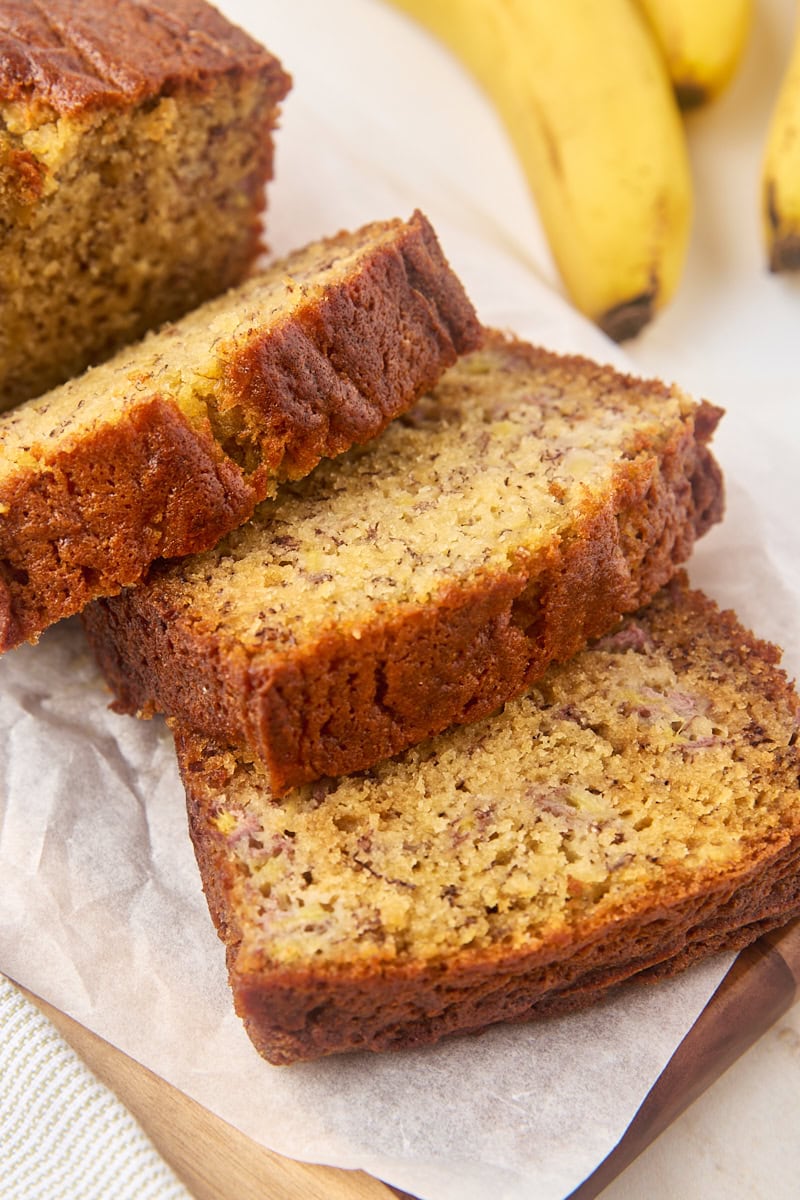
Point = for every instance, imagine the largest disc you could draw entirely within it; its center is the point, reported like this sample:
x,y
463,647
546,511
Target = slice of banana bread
x,y
516,512
172,442
135,143
637,810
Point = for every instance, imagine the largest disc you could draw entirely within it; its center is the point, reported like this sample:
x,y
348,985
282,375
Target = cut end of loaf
x,y
132,176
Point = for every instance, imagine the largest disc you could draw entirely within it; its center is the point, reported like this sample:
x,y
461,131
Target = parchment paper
x,y
100,904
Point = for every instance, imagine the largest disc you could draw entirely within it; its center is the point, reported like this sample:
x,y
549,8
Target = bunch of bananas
x,y
590,92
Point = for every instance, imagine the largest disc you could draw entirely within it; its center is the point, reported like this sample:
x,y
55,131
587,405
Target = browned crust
x,y
75,55
295,1018
299,1014
92,519
342,705
344,366
98,512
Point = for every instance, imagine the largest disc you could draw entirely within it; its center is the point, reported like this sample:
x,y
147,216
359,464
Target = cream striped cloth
x,y
63,1135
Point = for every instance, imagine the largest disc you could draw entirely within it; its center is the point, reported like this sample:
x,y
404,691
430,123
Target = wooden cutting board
x,y
214,1160
217,1162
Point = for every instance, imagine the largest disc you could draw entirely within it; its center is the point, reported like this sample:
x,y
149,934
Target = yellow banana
x,y
583,91
780,174
702,42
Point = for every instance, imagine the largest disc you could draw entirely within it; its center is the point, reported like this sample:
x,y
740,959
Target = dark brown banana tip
x,y
626,320
783,250
784,253
691,95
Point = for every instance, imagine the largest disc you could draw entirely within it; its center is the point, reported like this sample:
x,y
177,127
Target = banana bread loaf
x,y
637,810
135,143
172,442
515,513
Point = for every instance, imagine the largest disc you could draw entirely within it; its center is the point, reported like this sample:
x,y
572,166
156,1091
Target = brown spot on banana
x,y
550,142
772,206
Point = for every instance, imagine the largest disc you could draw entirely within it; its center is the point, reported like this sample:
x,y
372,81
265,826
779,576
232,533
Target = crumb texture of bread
x,y
513,514
172,442
635,811
136,140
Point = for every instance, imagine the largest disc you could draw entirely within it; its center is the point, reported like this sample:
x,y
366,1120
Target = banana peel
x,y
585,97
702,42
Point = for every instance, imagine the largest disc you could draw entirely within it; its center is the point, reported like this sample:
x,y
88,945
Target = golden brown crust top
x,y
73,55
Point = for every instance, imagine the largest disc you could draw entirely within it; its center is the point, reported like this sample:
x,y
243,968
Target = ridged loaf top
x,y
73,55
